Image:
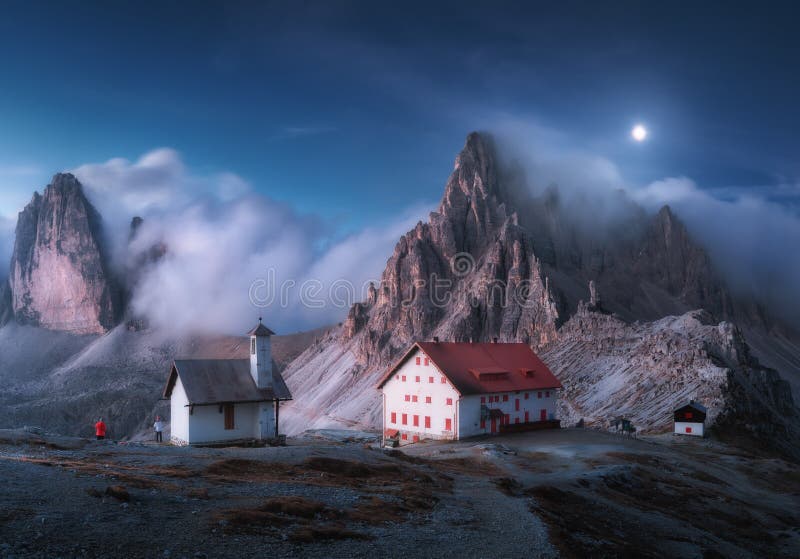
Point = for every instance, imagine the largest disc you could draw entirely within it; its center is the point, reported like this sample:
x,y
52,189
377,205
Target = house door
x,y
229,425
494,425
543,415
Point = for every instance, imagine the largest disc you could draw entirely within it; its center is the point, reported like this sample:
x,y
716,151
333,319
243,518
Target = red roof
x,y
482,368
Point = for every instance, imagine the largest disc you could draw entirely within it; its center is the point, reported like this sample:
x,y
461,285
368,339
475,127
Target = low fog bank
x,y
232,254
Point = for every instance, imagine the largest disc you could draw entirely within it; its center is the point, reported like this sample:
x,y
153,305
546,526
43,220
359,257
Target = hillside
x,y
481,268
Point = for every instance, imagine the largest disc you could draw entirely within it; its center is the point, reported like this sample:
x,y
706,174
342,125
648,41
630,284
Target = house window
x,y
516,404
405,419
449,401
427,361
444,380
448,424
483,399
516,420
417,360
689,415
404,378
527,417
547,394
507,419
413,398
540,395
416,379
404,437
408,398
394,417
415,439
428,399
505,397
430,380
252,346
416,421
688,429
427,422
526,395
228,408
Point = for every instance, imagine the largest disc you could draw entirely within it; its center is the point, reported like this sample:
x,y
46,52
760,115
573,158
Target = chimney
x,y
436,339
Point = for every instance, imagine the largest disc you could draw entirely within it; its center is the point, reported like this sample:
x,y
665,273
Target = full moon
x,y
639,133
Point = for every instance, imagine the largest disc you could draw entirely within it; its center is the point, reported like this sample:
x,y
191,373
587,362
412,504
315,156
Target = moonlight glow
x,y
639,133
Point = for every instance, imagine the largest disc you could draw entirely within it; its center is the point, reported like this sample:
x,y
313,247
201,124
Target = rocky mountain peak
x,y
468,273
59,275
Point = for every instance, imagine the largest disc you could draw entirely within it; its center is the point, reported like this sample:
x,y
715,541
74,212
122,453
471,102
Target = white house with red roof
x,y
454,390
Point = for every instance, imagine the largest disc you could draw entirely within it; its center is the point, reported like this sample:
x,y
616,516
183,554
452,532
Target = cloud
x,y
223,238
752,241
751,233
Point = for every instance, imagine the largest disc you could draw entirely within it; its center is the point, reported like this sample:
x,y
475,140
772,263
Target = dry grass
x,y
467,466
11,514
118,492
135,476
198,493
311,534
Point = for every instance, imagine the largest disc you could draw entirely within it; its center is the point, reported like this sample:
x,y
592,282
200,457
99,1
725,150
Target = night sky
x,y
348,110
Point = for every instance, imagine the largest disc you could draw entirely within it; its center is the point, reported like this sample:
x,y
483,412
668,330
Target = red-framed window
x,y
444,380
404,378
430,380
418,360
416,421
547,394
394,417
448,424
483,399
408,397
416,379
540,394
689,415
507,419
505,397
415,439
449,402
516,404
427,422
404,437
427,362
414,398
527,417
688,429
428,400
405,419
526,395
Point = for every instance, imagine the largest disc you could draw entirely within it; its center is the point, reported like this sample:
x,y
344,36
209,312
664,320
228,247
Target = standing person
x,y
159,427
100,429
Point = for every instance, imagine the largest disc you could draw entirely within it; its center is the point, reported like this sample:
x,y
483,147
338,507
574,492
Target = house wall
x,y
465,412
696,428
179,415
533,404
395,390
207,424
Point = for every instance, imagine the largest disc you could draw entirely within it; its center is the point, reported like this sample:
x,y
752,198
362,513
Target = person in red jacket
x,y
100,429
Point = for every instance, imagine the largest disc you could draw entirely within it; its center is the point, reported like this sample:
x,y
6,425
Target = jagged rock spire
x,y
60,277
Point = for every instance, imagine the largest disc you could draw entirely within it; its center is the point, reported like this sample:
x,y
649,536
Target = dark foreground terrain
x,y
568,493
